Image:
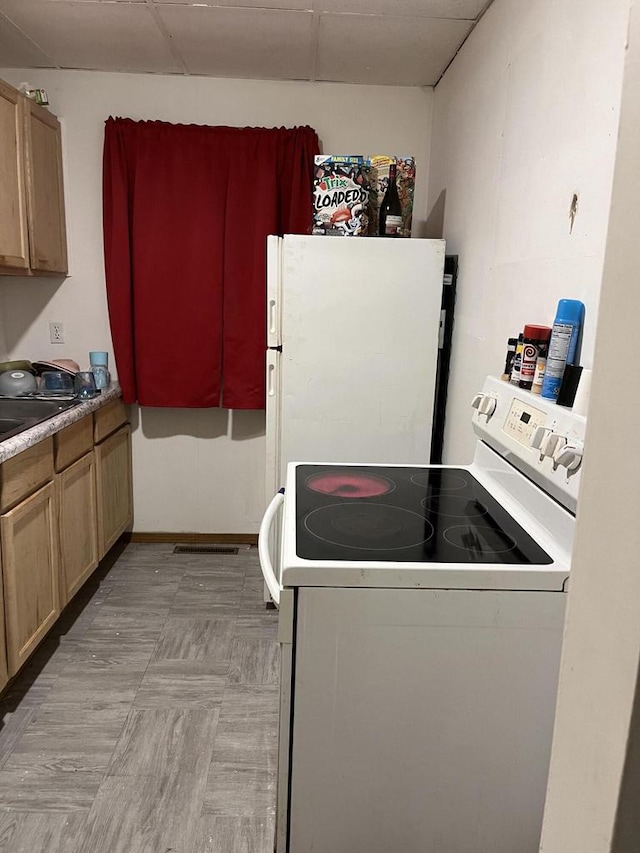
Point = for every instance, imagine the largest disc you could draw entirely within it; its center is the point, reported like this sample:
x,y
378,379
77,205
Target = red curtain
x,y
187,210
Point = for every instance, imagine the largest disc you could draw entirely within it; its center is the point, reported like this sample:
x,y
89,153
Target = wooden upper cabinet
x,y
45,193
33,236
14,241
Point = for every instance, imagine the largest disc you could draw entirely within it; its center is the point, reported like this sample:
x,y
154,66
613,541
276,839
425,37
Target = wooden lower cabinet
x,y
24,473
63,503
4,671
30,569
114,488
77,525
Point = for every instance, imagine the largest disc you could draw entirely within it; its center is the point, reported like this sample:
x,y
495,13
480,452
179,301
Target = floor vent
x,y
205,549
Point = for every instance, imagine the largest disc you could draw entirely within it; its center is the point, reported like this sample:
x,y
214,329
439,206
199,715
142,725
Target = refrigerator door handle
x,y
273,328
271,384
274,285
266,565
442,329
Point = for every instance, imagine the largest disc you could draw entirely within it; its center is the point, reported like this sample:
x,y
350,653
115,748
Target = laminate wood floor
x,y
147,721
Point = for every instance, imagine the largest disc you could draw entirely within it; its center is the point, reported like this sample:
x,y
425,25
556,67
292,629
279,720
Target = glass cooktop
x,y
432,515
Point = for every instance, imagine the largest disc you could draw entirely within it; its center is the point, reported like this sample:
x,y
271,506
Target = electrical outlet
x,y
56,333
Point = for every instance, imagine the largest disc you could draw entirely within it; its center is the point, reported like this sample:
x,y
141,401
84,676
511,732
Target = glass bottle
x,y
390,218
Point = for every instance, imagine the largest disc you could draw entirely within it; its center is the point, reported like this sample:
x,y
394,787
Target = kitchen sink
x,y
7,425
17,415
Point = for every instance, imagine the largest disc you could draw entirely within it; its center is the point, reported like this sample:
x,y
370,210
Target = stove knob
x,y
552,444
488,406
539,434
485,404
569,456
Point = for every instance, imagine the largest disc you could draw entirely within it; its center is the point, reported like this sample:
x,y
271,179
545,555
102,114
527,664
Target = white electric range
x,y
421,619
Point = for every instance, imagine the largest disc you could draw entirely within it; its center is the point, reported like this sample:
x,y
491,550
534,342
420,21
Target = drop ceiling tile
x,y
256,43
17,51
469,9
296,5
99,36
385,50
78,2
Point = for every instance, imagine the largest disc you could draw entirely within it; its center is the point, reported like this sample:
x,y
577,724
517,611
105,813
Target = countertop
x,y
17,443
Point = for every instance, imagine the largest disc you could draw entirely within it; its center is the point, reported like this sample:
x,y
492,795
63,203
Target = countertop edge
x,y
18,443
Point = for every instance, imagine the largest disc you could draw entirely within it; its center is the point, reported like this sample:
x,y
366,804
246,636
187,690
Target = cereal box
x,y
378,179
340,195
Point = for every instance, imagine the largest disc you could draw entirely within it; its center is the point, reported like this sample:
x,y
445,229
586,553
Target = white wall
x,y
203,470
525,117
593,795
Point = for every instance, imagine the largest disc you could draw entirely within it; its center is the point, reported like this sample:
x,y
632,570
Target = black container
x,y
569,385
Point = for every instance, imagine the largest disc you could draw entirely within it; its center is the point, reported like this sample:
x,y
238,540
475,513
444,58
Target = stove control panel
x,y
523,421
543,440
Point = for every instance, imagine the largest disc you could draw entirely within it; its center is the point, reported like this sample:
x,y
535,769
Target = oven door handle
x,y
266,565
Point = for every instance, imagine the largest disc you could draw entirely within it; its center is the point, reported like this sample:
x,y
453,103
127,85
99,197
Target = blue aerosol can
x,y
563,345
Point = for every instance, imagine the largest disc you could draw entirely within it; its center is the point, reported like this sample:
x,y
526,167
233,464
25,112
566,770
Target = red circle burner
x,y
341,484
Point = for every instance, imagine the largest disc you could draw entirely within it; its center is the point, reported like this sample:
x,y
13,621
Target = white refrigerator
x,y
352,337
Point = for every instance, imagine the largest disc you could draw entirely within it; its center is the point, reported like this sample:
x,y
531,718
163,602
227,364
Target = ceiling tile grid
x,y
384,42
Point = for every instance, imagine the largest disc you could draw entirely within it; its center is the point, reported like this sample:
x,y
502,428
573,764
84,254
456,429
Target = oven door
x,y
270,547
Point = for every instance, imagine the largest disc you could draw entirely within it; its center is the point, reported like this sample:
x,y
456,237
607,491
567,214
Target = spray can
x,y
563,344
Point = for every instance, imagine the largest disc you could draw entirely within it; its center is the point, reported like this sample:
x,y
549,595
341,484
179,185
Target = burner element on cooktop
x,y
439,479
344,484
479,540
366,526
454,506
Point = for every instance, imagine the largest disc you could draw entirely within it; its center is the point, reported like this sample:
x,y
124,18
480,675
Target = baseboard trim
x,y
221,538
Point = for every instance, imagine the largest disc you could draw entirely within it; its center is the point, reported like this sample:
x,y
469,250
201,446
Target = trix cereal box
x,y
340,195
378,179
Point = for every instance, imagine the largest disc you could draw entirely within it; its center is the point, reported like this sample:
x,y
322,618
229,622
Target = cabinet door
x,y
115,497
30,569
45,195
4,672
77,525
14,242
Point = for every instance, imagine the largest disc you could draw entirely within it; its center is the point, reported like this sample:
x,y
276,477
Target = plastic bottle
x,y
512,343
99,361
517,360
541,364
563,344
101,375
